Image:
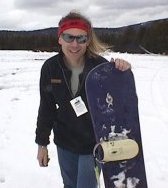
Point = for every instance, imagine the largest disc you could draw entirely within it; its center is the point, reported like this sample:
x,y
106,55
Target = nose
x,y
74,43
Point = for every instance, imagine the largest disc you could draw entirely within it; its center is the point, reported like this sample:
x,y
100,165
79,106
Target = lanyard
x,y
66,81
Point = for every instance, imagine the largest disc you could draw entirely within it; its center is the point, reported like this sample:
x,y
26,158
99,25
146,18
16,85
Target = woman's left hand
x,y
121,64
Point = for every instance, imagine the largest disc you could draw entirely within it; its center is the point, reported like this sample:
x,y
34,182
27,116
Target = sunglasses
x,y
80,39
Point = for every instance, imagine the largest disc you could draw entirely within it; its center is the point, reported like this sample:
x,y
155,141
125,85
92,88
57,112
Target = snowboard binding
x,y
115,150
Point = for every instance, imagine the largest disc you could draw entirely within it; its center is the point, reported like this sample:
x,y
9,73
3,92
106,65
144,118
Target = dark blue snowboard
x,y
113,105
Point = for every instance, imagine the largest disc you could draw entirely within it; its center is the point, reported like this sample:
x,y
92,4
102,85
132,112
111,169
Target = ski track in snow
x,y
19,99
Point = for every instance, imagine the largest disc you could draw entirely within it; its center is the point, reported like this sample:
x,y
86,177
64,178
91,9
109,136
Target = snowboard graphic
x,y
113,105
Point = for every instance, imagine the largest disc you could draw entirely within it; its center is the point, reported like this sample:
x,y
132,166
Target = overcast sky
x,y
39,14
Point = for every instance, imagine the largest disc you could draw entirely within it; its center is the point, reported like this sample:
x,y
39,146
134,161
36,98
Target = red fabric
x,y
73,23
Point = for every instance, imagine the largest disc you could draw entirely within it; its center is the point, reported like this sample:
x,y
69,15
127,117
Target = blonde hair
x,y
95,46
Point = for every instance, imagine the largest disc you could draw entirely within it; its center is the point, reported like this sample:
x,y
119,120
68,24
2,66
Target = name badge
x,y
79,106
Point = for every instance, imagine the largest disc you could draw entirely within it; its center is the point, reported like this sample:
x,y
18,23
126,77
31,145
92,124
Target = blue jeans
x,y
77,170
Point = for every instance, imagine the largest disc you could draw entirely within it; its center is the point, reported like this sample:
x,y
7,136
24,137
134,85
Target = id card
x,y
79,106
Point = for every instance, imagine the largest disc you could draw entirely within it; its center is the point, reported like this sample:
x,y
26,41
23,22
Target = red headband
x,y
73,23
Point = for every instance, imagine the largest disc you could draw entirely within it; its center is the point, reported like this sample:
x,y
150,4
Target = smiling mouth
x,y
74,52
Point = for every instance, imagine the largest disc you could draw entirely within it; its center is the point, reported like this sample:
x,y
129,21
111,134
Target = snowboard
x,y
113,106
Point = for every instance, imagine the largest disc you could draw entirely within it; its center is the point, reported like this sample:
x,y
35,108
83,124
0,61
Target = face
x,y
73,50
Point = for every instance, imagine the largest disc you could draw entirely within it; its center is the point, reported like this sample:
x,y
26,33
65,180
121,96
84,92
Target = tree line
x,y
150,37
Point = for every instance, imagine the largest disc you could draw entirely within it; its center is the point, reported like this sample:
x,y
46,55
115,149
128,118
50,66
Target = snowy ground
x,y
19,100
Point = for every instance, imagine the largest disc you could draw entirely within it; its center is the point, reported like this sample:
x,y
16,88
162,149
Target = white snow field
x,y
19,100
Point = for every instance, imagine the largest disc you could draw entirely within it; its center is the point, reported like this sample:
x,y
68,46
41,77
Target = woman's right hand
x,y
42,156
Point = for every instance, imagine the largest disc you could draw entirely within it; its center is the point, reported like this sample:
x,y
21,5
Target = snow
x,y
19,100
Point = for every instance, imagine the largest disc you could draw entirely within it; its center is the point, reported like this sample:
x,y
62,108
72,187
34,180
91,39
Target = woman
x,y
62,80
